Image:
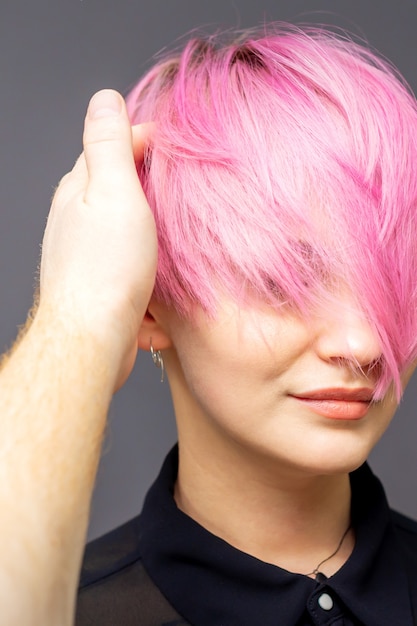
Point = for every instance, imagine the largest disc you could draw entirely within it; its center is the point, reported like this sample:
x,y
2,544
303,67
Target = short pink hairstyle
x,y
284,164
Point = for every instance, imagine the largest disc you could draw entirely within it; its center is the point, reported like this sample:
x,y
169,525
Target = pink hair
x,y
284,164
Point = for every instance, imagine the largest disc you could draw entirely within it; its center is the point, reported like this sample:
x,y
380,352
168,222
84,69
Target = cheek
x,y
213,373
233,369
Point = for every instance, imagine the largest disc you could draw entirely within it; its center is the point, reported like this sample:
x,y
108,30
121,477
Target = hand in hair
x,y
97,273
99,250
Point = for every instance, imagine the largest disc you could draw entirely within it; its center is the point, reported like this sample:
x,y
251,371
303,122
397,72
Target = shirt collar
x,y
210,582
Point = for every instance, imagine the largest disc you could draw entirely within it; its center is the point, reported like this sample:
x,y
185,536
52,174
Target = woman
x,y
282,180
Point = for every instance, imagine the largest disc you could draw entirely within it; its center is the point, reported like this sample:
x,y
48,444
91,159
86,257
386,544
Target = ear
x,y
154,327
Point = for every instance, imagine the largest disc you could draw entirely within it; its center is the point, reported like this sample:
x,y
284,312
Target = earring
x,y
157,358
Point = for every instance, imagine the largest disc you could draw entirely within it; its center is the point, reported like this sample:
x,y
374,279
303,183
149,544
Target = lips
x,y
337,403
338,393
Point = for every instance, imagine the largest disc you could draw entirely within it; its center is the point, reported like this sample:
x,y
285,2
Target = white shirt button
x,y
325,602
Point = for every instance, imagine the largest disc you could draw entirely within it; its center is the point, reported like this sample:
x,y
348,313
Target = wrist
x,y
97,341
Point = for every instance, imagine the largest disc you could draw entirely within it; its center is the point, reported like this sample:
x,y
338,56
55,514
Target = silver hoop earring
x,y
158,360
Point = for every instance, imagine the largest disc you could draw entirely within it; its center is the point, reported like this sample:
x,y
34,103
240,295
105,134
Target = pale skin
x,y
97,273
255,467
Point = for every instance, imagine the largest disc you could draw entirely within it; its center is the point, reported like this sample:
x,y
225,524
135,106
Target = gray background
x,y
53,55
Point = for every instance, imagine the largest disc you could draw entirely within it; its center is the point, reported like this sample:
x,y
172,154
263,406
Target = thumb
x,y
108,148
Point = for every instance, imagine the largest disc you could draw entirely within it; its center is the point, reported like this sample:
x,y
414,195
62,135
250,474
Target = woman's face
x,y
278,388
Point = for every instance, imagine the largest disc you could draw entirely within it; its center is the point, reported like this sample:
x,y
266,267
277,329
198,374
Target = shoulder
x,y
115,587
406,532
405,526
110,553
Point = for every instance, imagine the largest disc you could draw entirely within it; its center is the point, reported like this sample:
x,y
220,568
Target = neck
x,y
277,514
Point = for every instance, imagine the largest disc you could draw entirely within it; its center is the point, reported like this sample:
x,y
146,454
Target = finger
x,y
74,182
108,146
141,138
80,167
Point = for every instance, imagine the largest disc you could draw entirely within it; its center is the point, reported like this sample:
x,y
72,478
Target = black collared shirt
x,y
165,569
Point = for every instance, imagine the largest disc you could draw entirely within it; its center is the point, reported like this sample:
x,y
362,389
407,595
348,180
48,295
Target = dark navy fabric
x,y
164,569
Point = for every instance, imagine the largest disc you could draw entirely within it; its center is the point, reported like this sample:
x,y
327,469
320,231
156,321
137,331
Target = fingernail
x,y
105,103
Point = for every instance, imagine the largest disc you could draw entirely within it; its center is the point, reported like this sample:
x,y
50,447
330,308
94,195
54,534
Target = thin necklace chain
x,y
316,570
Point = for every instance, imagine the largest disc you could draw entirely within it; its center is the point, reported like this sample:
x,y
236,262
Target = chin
x,y
340,466
339,454
331,461
341,448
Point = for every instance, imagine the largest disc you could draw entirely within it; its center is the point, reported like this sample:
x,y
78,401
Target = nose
x,y
346,335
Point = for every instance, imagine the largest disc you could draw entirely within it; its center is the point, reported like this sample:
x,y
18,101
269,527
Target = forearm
x,y
55,391
96,277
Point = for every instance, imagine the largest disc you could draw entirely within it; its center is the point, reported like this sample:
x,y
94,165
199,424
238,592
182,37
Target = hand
x,y
99,250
